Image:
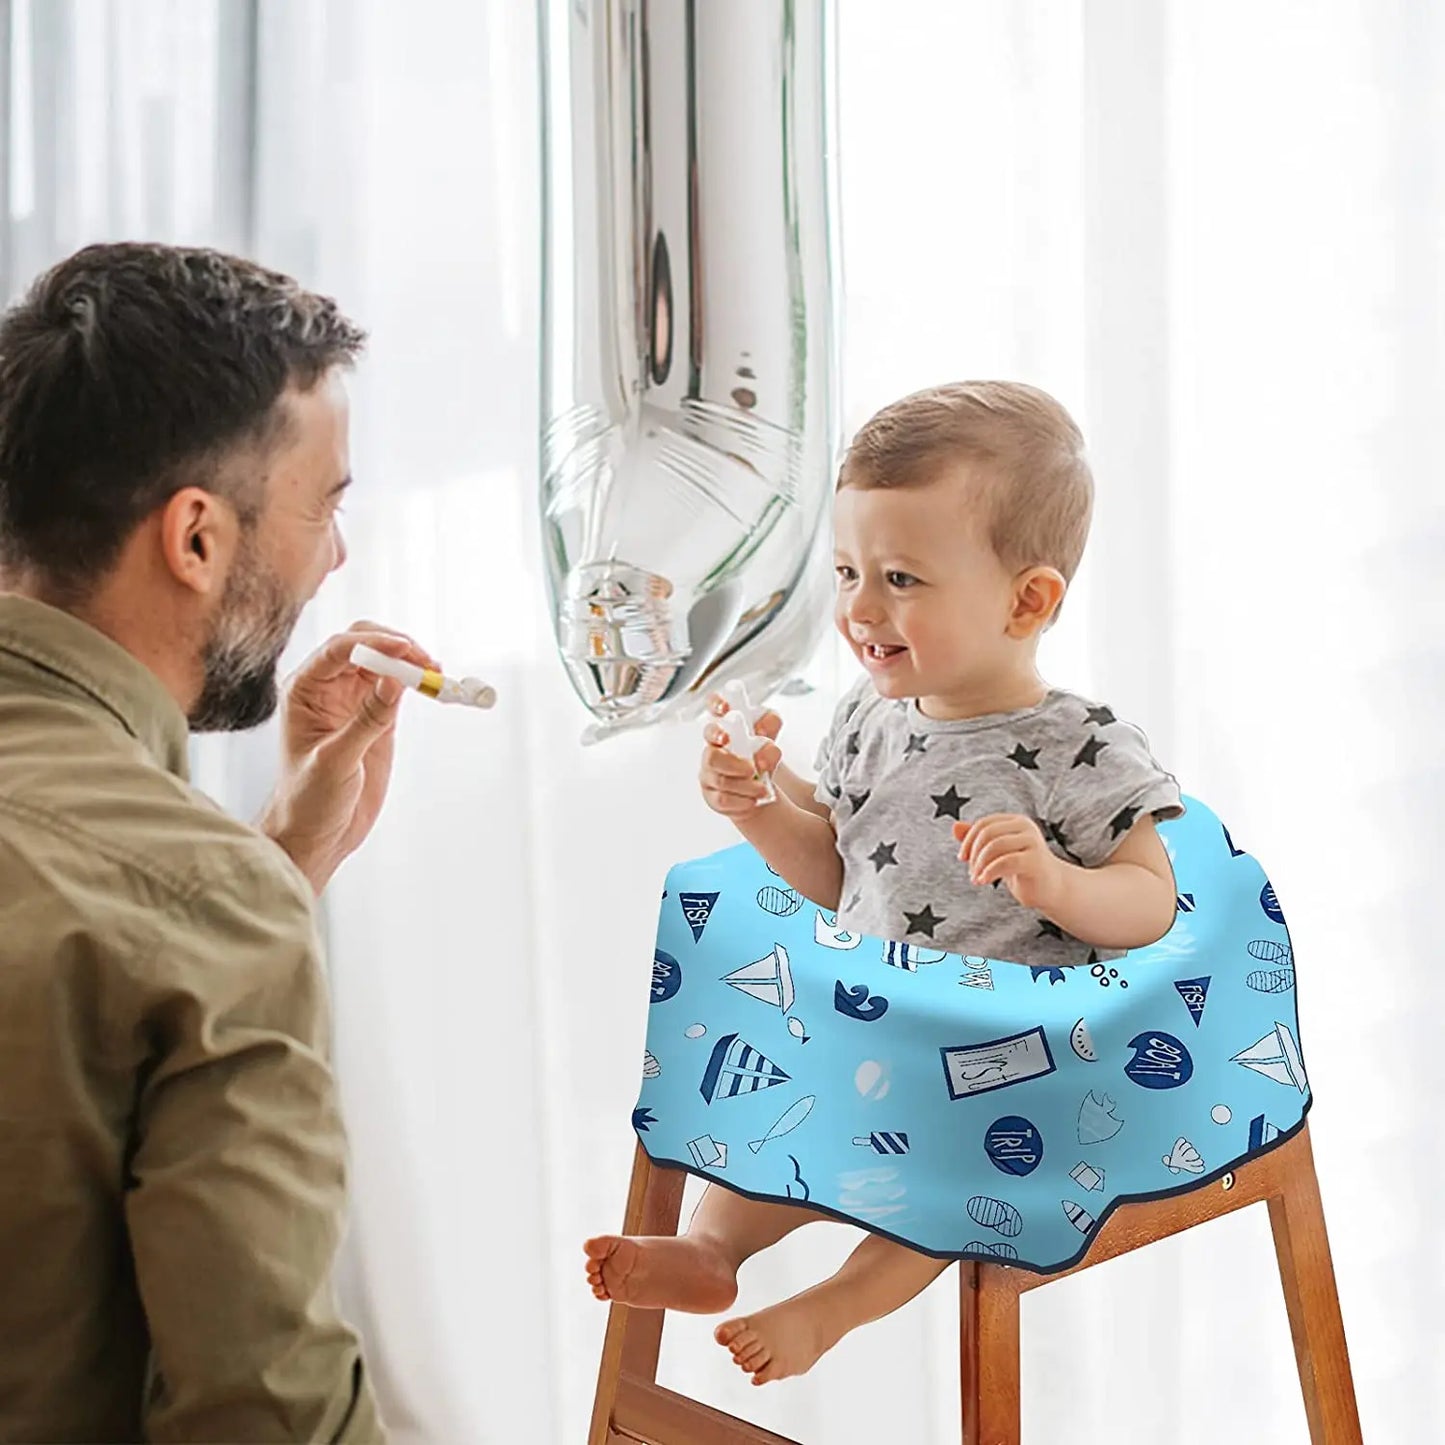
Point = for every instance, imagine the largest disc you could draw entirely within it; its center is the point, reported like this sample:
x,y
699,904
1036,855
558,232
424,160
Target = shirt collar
x,y
89,664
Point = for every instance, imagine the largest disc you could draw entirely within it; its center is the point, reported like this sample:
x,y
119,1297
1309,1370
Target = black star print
x,y
1049,929
858,799
949,804
1056,832
1026,758
1088,753
924,922
1123,820
851,750
882,856
1093,956
833,792
916,744
1100,717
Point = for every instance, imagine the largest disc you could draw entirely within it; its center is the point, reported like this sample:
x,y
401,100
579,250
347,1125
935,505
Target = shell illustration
x,y
650,1067
1183,1158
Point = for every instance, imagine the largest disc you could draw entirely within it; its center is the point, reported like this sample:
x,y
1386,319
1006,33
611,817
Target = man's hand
x,y
338,736
1011,847
731,785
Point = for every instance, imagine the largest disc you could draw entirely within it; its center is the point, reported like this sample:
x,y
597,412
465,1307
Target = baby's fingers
x,y
722,767
1001,865
1004,843
769,725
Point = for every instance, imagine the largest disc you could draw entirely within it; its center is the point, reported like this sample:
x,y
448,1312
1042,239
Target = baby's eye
x,y
844,573
901,579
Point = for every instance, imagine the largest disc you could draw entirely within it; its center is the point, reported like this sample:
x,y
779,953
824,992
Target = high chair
x,y
630,1406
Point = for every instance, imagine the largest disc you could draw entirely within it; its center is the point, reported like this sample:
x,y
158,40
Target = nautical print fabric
x,y
897,781
963,1105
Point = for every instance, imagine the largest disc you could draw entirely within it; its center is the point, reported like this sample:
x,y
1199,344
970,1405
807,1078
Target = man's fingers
x,y
333,658
376,715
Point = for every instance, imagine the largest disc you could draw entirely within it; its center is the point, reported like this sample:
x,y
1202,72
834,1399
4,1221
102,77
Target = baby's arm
x,y
794,833
799,845
1128,902
800,791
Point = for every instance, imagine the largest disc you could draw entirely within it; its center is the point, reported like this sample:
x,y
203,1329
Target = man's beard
x,y
251,629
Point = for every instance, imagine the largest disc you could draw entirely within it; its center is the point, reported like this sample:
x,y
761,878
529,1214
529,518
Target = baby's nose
x,y
863,606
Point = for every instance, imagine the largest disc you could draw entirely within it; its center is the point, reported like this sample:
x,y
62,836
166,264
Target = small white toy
x,y
743,742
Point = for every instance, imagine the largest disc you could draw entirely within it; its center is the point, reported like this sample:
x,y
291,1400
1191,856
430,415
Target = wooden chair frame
x,y
631,1408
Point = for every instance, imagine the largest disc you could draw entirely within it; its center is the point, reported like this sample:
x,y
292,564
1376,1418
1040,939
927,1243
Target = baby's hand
x,y
1011,847
731,785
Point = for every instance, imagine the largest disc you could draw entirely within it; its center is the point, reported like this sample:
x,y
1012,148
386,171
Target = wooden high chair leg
x,y
1308,1275
988,1317
630,1406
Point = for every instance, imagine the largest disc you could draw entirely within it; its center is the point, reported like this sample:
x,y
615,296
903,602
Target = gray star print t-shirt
x,y
897,781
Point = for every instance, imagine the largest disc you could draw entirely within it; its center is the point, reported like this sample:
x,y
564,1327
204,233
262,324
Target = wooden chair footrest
x,y
649,1414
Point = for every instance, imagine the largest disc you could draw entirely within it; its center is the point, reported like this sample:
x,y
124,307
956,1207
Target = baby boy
x,y
962,803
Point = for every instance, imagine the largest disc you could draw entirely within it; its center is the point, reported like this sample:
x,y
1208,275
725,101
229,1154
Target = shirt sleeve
x,y
1111,782
828,764
235,1190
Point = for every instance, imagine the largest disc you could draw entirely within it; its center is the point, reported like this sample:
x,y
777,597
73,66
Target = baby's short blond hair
x,y
1022,449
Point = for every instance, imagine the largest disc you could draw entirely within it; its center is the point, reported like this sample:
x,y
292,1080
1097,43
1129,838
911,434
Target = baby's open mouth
x,y
881,650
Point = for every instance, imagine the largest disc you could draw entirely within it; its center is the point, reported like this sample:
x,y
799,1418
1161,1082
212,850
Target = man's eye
x,y
901,579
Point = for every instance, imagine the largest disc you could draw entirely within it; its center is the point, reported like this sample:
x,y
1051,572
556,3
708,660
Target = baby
x,y
962,803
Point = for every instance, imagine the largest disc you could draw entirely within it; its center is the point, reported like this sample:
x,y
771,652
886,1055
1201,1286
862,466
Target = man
x,y
173,453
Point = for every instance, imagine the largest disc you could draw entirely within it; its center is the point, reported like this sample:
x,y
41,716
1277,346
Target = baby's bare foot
x,y
660,1271
784,1339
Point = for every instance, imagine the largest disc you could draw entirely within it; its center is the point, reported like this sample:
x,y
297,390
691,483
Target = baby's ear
x,y
1038,593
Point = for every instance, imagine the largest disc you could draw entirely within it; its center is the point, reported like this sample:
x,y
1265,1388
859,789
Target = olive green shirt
x,y
172,1160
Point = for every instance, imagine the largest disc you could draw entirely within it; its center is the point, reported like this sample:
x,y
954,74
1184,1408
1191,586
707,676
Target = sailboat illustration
x,y
735,1068
768,979
1276,1056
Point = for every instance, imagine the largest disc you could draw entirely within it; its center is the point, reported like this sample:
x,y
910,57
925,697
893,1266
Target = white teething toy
x,y
743,742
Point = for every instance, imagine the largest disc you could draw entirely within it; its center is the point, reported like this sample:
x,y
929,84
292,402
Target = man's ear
x,y
1037,593
198,532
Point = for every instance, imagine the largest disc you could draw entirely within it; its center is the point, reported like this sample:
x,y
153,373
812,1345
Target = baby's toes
x,y
754,1357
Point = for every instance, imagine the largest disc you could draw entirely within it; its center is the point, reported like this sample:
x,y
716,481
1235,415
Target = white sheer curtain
x,y
1215,232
